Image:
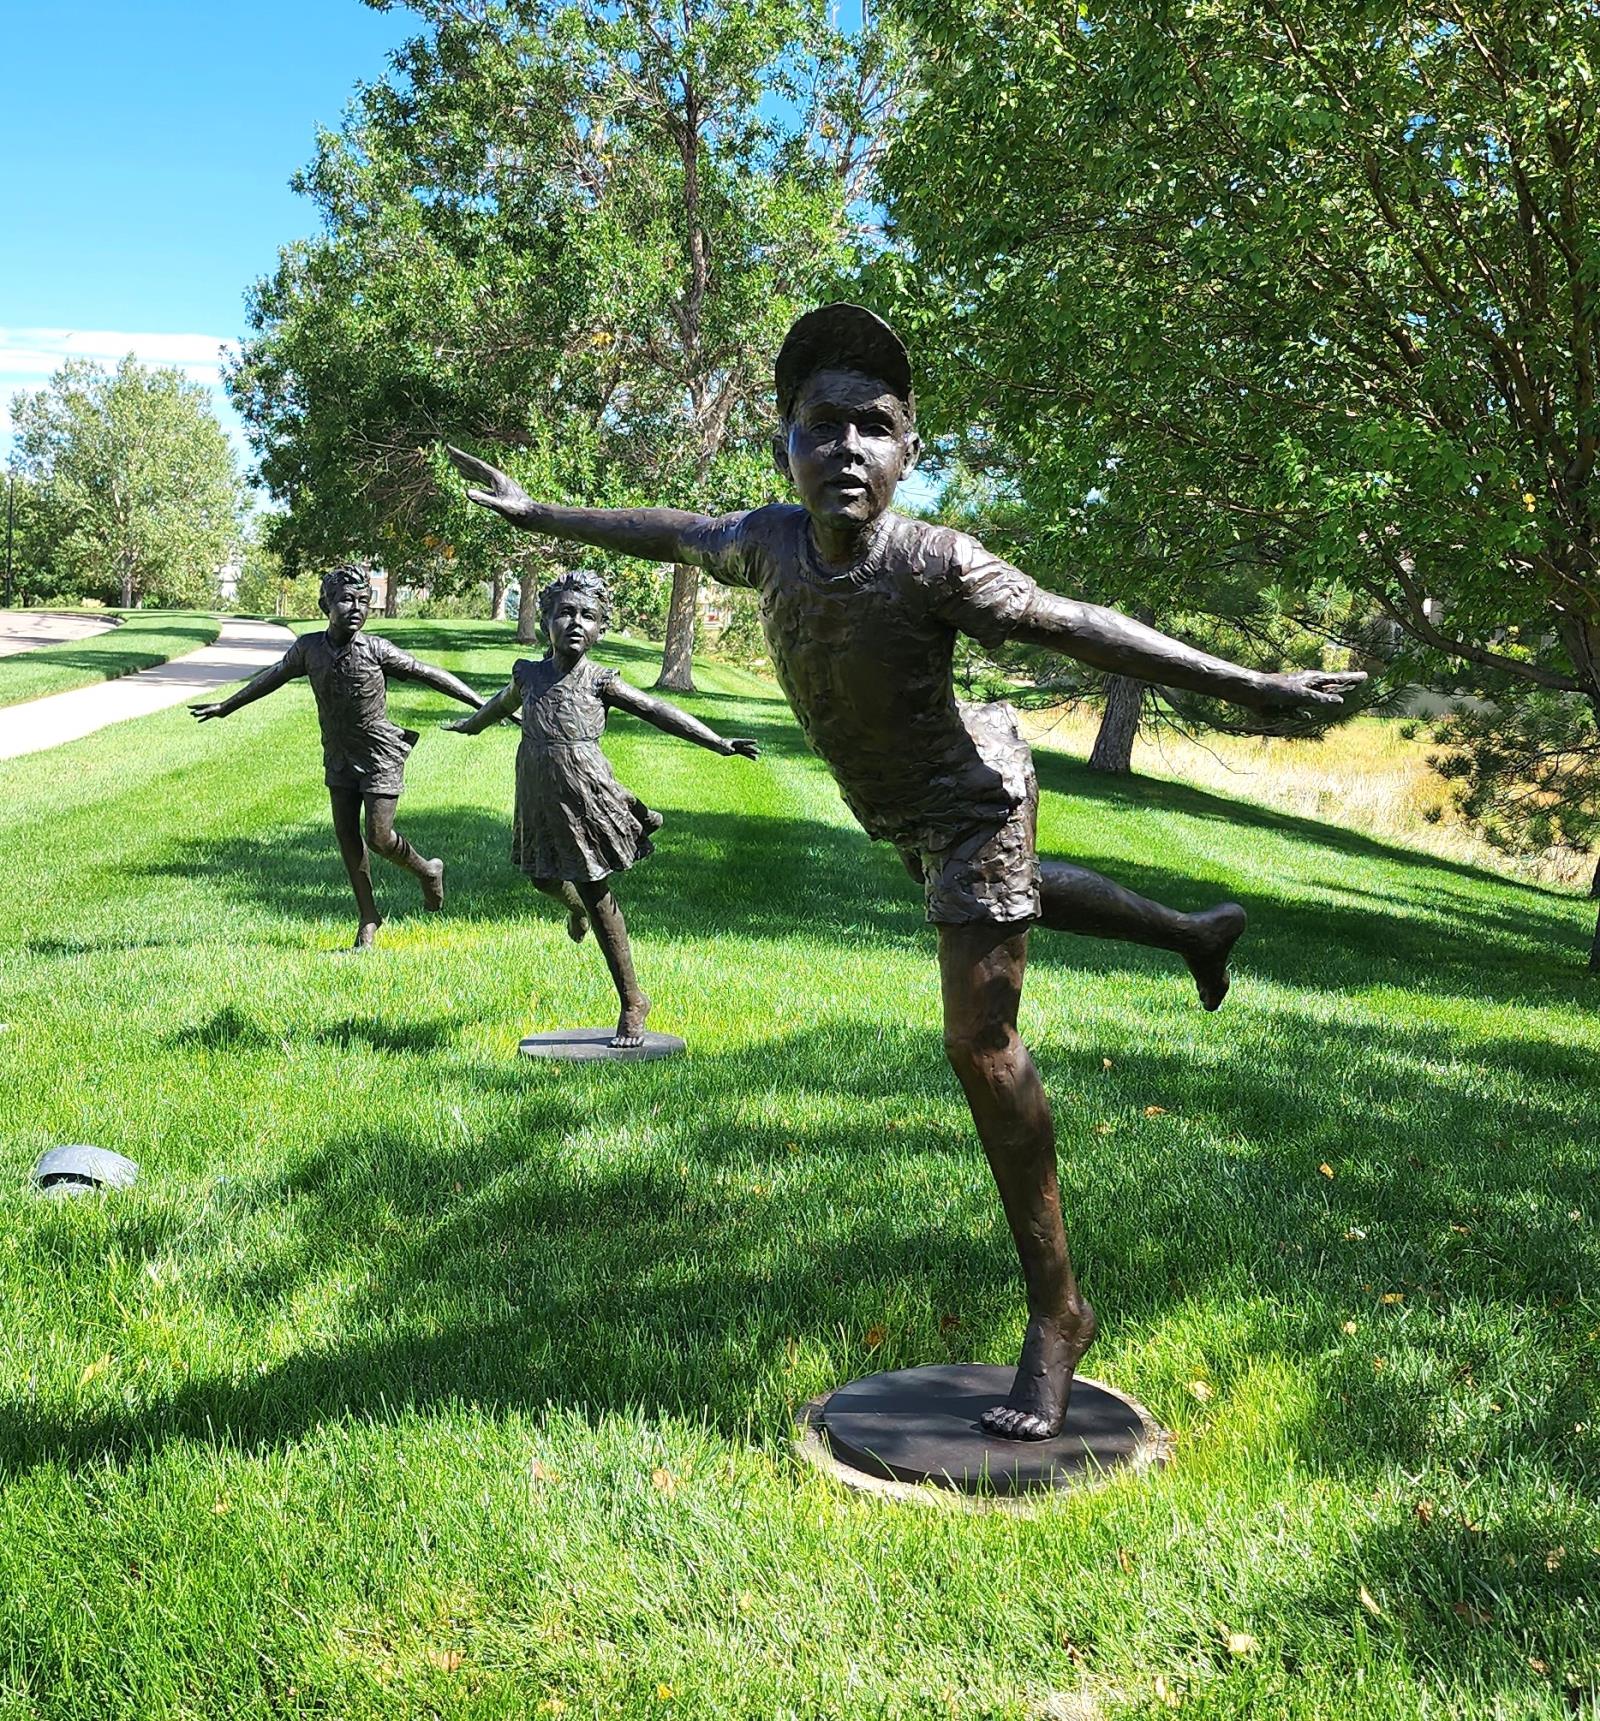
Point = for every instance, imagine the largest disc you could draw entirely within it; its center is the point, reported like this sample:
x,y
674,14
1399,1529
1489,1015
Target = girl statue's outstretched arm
x,y
673,721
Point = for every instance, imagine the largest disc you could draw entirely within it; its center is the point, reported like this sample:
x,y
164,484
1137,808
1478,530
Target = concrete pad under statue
x,y
590,1044
914,1430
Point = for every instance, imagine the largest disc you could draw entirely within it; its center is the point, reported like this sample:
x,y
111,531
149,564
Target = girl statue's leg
x,y
346,805
566,894
1074,899
612,935
385,840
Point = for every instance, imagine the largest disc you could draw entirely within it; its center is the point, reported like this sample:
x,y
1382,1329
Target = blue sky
x,y
147,147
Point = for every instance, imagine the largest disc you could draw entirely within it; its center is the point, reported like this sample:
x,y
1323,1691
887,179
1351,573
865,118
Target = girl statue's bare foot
x,y
577,925
1216,933
1036,1406
630,1025
432,877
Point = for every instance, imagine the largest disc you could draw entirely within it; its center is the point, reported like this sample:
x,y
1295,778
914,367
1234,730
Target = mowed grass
x,y
146,638
416,1379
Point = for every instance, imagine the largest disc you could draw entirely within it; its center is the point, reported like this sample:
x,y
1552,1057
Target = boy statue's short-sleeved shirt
x,y
362,747
865,659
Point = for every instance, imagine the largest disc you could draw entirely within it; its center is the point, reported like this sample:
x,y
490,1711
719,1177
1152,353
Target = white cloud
x,y
30,357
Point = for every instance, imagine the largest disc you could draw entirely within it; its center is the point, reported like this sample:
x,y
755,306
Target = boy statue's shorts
x,y
989,874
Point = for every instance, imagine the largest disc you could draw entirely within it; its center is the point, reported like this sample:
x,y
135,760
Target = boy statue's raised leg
x,y
385,840
981,969
1074,899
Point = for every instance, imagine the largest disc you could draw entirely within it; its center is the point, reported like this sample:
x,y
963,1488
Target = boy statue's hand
x,y
204,713
1309,688
505,495
457,724
745,749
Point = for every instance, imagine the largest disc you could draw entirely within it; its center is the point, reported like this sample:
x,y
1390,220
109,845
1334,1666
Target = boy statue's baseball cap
x,y
841,336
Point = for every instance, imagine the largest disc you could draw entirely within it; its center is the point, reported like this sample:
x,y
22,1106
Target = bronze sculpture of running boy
x,y
363,751
861,608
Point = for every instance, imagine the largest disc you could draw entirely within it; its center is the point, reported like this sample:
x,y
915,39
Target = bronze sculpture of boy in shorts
x,y
861,608
363,751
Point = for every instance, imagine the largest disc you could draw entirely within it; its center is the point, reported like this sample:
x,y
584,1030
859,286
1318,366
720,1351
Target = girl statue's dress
x,y
573,819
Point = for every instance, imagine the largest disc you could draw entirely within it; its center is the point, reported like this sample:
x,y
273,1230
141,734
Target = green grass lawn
x,y
146,638
414,1379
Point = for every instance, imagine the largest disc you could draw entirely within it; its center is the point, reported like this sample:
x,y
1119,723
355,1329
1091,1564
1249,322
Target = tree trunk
x,y
528,608
677,655
1113,746
497,597
391,595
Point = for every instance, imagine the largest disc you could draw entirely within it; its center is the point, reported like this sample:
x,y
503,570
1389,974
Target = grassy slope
x,y
146,638
412,1379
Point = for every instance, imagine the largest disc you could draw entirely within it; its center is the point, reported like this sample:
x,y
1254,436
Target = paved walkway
x,y
241,649
27,630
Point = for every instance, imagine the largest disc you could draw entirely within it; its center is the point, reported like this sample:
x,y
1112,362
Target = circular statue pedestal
x,y
587,1043
917,1429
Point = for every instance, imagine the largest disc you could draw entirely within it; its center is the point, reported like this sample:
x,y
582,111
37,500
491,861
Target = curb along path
x,y
28,630
241,648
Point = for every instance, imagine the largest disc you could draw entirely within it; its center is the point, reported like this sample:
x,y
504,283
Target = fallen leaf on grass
x,y
552,1706
1423,1511
1467,1611
949,1323
1539,1666
663,1693
1364,1596
1552,1560
221,1507
664,1482
1155,1111
1126,1560
1355,1235
1201,1390
538,1474
446,1660
1462,1230
875,1336
1392,1297
1325,1169
1241,1643
1106,1064
1378,1365
1349,1327
95,1369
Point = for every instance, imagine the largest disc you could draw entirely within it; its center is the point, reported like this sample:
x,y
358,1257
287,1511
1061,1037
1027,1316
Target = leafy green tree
x,y
570,236
1318,283
137,484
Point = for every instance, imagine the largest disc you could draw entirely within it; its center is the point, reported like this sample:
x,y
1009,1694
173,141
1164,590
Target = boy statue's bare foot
x,y
366,934
1217,931
432,877
630,1025
1036,1406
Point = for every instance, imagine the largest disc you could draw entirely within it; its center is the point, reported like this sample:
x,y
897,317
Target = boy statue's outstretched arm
x,y
442,681
652,534
274,676
1106,639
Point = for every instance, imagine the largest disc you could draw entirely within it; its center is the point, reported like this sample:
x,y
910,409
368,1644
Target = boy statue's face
x,y
347,608
847,444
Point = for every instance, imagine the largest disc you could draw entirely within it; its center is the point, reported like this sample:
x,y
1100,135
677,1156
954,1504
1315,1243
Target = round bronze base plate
x,y
588,1043
916,1429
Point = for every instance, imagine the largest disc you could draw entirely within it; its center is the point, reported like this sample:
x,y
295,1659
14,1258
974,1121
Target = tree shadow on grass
x,y
671,1239
1429,929
761,876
